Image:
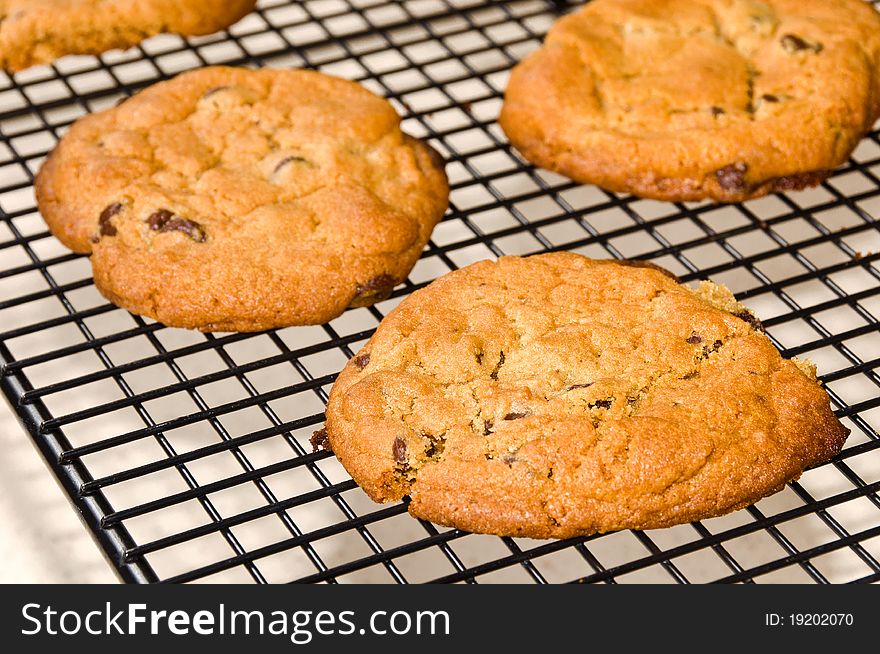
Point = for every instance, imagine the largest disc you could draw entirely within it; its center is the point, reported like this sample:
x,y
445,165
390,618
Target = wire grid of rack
x,y
188,454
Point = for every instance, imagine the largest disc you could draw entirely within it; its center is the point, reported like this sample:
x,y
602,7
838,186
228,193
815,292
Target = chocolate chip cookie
x,y
685,100
40,31
555,396
228,199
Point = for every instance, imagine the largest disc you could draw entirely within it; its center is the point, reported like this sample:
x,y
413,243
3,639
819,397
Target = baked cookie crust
x,y
229,199
686,100
557,396
41,31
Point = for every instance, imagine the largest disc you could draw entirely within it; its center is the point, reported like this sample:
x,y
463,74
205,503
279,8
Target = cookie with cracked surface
x,y
40,31
556,396
228,199
685,100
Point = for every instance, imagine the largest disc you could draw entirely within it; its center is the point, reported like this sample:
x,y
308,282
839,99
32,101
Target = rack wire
x,y
187,454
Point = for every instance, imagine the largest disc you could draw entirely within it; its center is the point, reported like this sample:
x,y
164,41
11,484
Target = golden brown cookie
x,y
229,199
691,99
40,31
555,396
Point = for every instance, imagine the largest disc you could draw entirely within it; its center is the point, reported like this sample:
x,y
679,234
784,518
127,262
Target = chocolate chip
x,y
362,360
320,441
516,415
436,445
694,338
576,386
769,97
707,350
732,177
601,404
638,263
216,89
106,228
376,289
792,43
800,181
189,227
494,373
750,318
399,450
165,221
157,219
436,158
717,111
487,427
288,160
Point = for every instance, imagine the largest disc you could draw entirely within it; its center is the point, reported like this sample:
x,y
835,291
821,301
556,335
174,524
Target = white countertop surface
x,y
55,548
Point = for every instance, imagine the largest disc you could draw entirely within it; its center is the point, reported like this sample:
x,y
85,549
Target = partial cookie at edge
x,y
703,99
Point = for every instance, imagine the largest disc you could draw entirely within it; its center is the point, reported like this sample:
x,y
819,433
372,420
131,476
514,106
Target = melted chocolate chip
x,y
516,415
601,404
165,221
732,177
362,360
376,289
801,181
717,111
436,445
494,373
158,219
694,338
399,450
436,158
769,97
793,43
320,441
707,350
749,317
288,160
216,89
105,227
508,458
189,227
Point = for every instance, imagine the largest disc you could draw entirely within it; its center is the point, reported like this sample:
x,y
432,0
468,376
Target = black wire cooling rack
x,y
187,454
